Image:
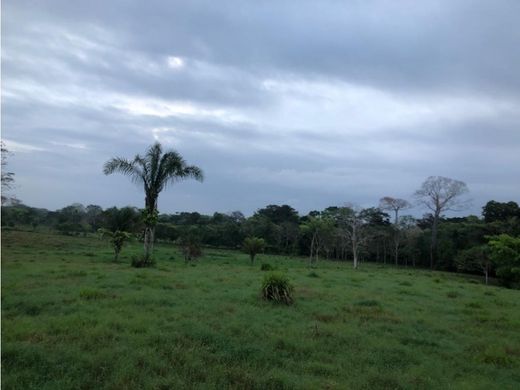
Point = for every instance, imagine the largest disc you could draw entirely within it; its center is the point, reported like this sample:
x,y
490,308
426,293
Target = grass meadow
x,y
74,319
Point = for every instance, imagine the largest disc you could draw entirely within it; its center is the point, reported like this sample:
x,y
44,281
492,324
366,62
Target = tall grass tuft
x,y
276,288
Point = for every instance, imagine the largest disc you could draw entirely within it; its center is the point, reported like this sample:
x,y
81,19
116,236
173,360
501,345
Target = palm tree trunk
x,y
149,233
149,230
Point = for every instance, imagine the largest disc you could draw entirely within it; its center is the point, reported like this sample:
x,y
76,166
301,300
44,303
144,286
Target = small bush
x,y
276,288
313,274
266,267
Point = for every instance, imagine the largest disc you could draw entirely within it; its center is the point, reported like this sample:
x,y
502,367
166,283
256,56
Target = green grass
x,y
74,319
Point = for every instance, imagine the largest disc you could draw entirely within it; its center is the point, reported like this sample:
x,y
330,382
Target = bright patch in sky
x,y
175,62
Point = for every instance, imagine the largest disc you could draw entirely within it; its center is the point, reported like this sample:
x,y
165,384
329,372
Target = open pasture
x,y
74,319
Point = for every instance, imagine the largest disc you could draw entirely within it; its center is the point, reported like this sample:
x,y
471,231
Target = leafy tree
x,y
117,239
126,219
475,259
440,194
319,229
505,254
279,214
253,246
498,211
155,170
354,223
395,204
94,216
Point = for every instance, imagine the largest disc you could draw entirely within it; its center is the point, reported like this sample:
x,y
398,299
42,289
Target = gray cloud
x,y
306,103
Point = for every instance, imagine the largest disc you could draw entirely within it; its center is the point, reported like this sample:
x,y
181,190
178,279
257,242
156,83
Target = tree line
x,y
335,233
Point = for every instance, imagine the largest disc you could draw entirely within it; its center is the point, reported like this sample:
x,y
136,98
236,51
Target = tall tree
x,y
318,229
354,222
440,194
395,204
155,170
7,177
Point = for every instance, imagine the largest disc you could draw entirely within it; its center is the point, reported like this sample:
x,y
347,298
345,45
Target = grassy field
x,y
73,319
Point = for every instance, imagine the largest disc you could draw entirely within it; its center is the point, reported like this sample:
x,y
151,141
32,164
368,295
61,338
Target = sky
x,y
306,103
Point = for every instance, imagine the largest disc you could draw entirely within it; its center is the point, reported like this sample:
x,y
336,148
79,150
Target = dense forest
x,y
327,234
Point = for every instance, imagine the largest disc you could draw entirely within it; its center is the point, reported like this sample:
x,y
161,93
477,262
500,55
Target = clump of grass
x,y
474,305
405,283
277,288
436,280
142,261
91,294
368,303
32,310
452,294
495,356
313,274
78,273
266,267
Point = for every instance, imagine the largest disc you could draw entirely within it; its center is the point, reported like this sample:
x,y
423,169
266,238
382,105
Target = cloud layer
x,y
307,103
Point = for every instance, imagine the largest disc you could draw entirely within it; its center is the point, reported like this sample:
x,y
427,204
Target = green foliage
x,y
117,239
150,217
500,211
277,288
475,259
252,246
505,254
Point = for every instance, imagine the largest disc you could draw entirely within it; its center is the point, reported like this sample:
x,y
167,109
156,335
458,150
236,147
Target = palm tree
x,y
155,170
253,245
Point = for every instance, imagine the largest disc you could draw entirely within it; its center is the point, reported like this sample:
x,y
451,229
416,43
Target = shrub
x,y
505,254
117,239
266,267
276,288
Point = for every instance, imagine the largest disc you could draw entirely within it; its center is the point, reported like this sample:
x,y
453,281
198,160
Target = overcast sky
x,y
311,104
